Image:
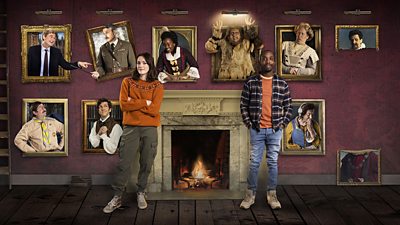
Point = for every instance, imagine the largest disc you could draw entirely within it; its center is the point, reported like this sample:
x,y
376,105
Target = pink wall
x,y
360,88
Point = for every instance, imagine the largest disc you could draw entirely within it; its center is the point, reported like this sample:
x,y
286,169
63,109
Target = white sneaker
x,y
272,200
141,200
114,204
248,200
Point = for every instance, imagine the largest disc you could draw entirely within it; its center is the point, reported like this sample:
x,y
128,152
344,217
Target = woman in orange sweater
x,y
140,101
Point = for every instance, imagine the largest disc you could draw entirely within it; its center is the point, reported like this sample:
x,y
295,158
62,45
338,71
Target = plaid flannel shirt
x,y
251,102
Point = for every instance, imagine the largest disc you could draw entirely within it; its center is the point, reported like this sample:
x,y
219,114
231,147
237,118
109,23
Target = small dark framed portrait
x,y
359,167
356,37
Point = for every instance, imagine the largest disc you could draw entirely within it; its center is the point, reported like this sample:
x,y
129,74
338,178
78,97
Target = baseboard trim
x,y
284,179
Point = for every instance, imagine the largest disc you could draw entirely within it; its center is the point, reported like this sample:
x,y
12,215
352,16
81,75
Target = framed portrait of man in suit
x,y
112,50
356,37
46,53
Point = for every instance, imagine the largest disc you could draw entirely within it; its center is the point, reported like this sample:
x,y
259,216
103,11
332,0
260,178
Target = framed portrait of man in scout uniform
x,y
57,112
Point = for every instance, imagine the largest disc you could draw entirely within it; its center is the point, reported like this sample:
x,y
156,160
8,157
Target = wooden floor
x,y
301,205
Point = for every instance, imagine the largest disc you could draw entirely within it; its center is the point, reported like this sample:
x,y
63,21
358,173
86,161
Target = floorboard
x,y
318,204
187,211
69,206
39,206
91,211
375,205
13,201
307,204
349,209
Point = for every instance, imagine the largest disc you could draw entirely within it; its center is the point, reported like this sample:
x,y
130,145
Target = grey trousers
x,y
135,140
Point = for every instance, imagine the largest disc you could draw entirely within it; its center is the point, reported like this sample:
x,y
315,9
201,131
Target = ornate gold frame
x,y
92,114
350,182
31,34
341,32
287,30
94,46
188,32
216,59
320,112
26,116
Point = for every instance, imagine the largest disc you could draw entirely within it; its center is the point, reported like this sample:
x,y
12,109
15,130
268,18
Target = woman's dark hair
x,y
152,74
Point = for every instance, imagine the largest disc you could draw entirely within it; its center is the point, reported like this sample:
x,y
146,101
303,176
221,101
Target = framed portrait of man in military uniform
x,y
112,50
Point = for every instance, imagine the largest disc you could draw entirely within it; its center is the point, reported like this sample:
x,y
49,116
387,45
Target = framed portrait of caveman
x,y
186,39
305,133
356,37
298,57
44,129
234,55
359,167
90,118
112,50
32,38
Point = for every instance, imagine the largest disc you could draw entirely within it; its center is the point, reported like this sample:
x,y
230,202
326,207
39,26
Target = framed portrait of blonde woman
x,y
298,52
108,60
32,38
305,133
359,167
56,123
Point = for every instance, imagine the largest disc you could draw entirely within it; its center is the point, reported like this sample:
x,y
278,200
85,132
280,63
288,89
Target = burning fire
x,y
199,170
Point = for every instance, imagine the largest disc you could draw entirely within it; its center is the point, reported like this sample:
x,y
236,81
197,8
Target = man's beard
x,y
265,69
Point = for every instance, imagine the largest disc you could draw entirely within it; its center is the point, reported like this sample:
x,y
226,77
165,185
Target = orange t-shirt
x,y
266,111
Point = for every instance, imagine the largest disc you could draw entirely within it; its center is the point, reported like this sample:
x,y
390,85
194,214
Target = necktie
x,y
45,133
46,64
112,47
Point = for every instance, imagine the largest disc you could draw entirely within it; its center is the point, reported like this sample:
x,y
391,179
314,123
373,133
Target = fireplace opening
x,y
200,159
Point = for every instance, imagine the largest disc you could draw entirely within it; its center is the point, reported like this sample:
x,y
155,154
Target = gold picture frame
x,y
286,33
292,144
90,115
216,57
58,107
187,38
358,167
31,36
370,37
95,39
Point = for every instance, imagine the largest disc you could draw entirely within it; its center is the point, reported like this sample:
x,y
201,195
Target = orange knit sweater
x,y
135,111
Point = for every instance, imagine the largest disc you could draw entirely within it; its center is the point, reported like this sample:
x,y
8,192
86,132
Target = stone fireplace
x,y
210,110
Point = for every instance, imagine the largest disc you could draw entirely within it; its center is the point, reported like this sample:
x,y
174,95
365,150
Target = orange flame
x,y
199,170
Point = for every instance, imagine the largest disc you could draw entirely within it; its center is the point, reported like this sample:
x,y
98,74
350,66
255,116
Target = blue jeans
x,y
271,139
